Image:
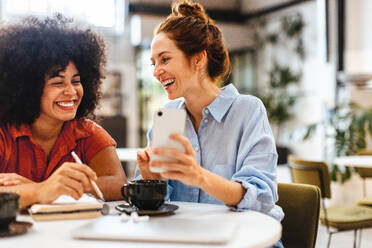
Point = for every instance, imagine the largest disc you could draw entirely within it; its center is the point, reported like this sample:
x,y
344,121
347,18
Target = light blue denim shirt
x,y
234,141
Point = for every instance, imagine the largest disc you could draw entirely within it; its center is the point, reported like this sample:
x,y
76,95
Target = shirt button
x,y
196,148
205,121
206,111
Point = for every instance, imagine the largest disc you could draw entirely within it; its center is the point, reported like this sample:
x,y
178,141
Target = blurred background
x,y
308,60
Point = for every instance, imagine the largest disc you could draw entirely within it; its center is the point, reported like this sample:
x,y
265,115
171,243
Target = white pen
x,y
93,183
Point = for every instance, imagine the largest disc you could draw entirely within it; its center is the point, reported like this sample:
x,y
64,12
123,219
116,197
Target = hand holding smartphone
x,y
166,122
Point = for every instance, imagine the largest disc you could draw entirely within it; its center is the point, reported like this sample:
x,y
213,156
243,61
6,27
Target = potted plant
x,y
348,127
346,130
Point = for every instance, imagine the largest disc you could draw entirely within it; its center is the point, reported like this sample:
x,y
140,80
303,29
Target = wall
x,y
358,50
317,85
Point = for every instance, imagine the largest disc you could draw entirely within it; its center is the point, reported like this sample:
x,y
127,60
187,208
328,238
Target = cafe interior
x,y
309,61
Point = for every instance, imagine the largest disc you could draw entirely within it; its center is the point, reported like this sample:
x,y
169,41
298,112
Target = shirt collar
x,y
22,130
70,131
220,106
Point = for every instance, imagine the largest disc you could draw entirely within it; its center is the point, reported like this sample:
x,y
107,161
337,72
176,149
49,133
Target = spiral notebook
x,y
66,207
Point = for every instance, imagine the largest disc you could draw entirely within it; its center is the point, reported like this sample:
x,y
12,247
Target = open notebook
x,y
66,207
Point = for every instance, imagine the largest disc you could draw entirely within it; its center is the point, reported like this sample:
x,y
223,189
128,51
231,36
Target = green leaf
x,y
334,173
272,38
310,130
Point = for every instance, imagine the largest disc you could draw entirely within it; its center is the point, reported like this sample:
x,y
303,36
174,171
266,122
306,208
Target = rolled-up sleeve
x,y
260,185
256,165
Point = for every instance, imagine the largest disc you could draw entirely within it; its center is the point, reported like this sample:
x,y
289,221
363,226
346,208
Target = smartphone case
x,y
166,122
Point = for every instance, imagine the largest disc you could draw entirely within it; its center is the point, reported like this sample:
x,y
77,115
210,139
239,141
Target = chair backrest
x,y
116,126
364,172
364,152
300,223
311,172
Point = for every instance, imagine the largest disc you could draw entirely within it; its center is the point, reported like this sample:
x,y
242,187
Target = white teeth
x,y
167,82
63,104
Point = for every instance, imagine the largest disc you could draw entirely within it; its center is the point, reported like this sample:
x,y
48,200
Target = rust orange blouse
x,y
20,154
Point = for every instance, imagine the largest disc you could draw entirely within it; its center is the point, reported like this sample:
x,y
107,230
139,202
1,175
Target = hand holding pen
x,y
69,179
93,183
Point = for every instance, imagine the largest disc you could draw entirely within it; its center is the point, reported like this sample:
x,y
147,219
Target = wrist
x,y
36,190
203,179
29,194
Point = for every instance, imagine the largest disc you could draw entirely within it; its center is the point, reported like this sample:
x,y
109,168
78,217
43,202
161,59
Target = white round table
x,y
355,161
255,230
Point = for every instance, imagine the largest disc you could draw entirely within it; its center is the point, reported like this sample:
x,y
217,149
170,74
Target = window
x,y
243,64
107,14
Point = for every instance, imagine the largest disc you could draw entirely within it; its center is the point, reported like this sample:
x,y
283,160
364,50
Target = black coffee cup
x,y
8,209
145,194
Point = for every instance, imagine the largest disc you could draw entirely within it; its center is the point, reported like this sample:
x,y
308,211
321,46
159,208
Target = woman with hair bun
x,y
50,78
230,156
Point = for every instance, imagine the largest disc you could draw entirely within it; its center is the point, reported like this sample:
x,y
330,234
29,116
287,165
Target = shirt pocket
x,y
224,170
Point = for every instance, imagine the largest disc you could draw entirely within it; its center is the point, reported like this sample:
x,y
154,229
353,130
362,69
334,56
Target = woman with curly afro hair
x,y
50,77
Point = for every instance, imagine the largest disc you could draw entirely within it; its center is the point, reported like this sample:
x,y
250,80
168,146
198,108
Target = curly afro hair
x,y
31,48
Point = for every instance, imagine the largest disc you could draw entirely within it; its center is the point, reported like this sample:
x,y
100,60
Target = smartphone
x,y
166,122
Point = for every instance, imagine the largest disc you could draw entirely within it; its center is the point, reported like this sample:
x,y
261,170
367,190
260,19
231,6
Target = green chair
x,y
364,172
336,219
300,223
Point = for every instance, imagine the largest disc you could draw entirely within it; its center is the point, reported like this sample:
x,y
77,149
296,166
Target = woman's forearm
x,y
229,192
110,187
28,193
32,193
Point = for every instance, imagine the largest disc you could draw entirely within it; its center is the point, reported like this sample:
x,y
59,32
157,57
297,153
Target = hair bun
x,y
185,8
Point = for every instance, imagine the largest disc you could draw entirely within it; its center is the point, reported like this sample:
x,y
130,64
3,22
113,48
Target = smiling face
x,y
171,67
62,94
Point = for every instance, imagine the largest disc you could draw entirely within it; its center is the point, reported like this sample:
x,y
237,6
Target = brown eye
x,y
165,59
